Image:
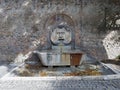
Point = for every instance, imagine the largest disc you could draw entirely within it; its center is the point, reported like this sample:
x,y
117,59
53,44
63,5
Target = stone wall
x,y
22,26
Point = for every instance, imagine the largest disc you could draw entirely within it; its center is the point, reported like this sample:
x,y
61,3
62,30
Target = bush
x,y
118,57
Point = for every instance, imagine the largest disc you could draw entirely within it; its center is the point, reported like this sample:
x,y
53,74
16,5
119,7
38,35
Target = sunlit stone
x,y
1,10
37,21
25,34
118,21
35,43
6,17
26,3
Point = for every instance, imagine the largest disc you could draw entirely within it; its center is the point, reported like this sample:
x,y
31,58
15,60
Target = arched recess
x,y
57,19
63,23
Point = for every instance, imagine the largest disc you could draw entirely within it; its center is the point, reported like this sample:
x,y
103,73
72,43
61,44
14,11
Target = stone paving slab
x,y
113,67
59,71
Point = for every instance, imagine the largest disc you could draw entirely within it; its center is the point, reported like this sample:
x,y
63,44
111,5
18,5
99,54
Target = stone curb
x,y
105,77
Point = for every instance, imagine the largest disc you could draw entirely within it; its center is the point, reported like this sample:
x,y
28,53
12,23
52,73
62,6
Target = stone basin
x,y
60,58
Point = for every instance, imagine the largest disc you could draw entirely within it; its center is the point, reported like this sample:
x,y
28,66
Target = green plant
x,y
118,57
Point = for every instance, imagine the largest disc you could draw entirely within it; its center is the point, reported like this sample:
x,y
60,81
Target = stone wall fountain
x,y
57,34
61,43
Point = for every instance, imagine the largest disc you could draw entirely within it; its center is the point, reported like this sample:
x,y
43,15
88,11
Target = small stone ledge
x,y
104,77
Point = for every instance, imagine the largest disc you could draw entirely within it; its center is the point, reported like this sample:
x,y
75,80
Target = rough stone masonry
x,y
23,27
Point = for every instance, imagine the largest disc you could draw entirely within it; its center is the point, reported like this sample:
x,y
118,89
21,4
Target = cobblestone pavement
x,y
105,82
60,84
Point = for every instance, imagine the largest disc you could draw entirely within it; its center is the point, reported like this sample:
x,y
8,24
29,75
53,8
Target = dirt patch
x,y
37,67
112,61
43,73
24,72
87,72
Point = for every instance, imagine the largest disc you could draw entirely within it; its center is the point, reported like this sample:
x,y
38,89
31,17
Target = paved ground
x,y
106,82
113,67
60,84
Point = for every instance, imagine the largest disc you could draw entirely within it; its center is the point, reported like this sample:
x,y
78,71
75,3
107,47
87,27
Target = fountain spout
x,y
61,46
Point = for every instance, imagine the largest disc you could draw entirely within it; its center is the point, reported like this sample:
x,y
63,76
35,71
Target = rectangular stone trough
x,y
58,58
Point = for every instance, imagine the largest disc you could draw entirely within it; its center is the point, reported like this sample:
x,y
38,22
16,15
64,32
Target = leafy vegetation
x,y
118,57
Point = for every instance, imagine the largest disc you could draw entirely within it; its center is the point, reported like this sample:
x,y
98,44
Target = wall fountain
x,y
62,51
61,43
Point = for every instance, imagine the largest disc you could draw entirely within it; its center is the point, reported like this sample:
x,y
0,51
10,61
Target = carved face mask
x,y
61,35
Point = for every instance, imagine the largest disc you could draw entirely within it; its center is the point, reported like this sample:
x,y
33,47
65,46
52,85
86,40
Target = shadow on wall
x,y
94,53
107,48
